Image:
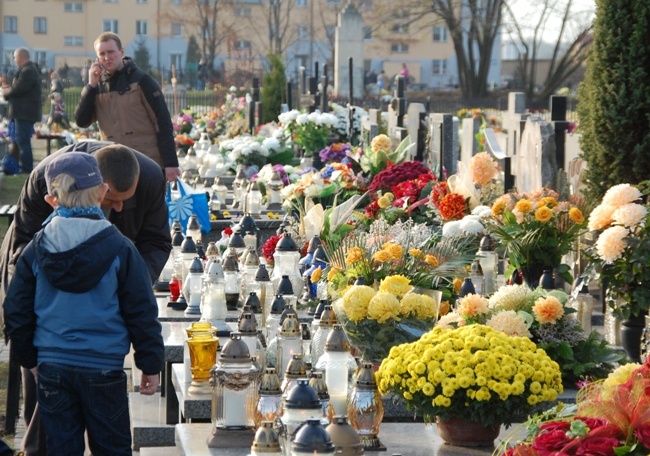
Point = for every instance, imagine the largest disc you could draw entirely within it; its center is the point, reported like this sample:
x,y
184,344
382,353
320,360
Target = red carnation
x,y
269,248
395,174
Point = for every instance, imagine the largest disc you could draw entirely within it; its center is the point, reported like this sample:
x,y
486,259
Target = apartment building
x,y
59,32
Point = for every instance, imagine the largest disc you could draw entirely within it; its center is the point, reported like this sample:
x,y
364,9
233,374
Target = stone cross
x,y
417,129
514,121
440,156
535,161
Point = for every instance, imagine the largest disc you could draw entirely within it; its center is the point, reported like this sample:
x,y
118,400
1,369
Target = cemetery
x,y
353,279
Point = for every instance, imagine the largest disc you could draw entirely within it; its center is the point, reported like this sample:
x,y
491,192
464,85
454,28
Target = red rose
x,y
598,446
269,248
555,425
642,433
592,423
227,231
549,442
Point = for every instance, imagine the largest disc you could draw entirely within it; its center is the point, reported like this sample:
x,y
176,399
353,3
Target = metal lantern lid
x,y
254,302
487,244
247,223
288,310
236,241
193,223
320,307
320,255
253,186
177,239
312,438
328,317
290,327
188,245
296,368
305,331
176,227
278,305
212,249
241,175
344,438
247,325
314,243
252,258
196,266
275,179
302,396
262,274
285,287
270,384
286,244
218,183
266,439
234,350
337,341
317,381
215,271
366,377
231,263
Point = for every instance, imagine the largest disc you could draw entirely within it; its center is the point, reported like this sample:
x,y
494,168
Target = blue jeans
x,y
24,132
72,399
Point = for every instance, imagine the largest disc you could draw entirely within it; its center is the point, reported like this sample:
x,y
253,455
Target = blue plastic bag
x,y
188,203
9,165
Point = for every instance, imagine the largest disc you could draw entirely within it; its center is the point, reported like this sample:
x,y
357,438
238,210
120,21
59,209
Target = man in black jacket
x,y
136,206
24,97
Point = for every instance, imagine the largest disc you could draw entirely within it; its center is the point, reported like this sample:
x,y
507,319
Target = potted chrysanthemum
x,y
470,379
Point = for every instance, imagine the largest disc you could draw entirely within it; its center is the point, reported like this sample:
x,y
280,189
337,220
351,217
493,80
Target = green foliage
x,y
193,51
615,98
141,56
274,88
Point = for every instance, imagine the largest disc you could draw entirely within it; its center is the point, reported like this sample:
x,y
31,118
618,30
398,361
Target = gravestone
x,y
469,146
254,107
369,127
440,156
558,107
535,160
417,129
396,113
348,44
514,121
456,136
493,146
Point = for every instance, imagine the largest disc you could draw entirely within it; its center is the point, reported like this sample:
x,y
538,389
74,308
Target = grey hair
x,y
76,198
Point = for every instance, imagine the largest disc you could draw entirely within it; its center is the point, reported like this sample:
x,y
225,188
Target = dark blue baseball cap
x,y
81,166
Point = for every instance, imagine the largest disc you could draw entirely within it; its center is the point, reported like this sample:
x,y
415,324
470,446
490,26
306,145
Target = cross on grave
x,y
470,145
535,165
440,157
369,127
417,130
494,148
514,121
323,96
558,105
254,107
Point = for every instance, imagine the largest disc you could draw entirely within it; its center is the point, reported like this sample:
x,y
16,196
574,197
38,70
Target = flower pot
x,y
631,331
531,274
465,433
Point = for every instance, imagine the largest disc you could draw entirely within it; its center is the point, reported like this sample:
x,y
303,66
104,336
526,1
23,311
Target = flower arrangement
x,y
612,417
375,321
473,372
380,155
620,254
335,152
537,229
308,131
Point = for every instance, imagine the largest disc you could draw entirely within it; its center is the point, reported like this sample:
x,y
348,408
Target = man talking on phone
x,y
128,105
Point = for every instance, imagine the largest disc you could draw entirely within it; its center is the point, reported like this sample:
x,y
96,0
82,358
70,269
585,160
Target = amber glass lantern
x,y
365,408
203,347
269,402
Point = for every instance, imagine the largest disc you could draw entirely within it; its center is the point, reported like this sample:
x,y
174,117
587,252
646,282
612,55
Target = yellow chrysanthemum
x,y
421,306
383,306
524,205
543,214
415,253
354,255
575,214
498,207
332,274
397,285
356,300
396,251
431,260
382,256
457,283
381,142
316,275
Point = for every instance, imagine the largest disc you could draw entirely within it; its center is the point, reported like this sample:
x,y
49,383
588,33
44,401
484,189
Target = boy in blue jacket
x,y
79,297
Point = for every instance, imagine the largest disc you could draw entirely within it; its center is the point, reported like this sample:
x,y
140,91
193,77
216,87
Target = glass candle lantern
x,y
196,327
289,342
296,370
583,302
215,204
285,288
203,354
237,186
344,438
213,305
248,268
273,188
319,261
269,402
234,393
263,287
253,302
254,200
334,363
317,381
236,244
318,311
285,263
193,287
187,255
243,196
300,405
319,338
193,228
248,330
488,258
266,441
366,409
476,274
312,439
174,288
232,281
212,254
190,162
275,314
305,330
221,190
248,226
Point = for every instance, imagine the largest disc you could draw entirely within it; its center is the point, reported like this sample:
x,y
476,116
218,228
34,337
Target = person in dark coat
x,y
24,97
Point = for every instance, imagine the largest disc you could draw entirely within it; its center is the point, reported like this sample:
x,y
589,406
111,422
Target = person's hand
x,y
149,384
172,174
94,74
34,371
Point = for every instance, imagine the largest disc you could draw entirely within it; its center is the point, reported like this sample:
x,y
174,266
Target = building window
x,y
303,32
110,1
367,32
401,14
73,7
242,11
141,28
11,24
439,67
400,28
177,28
141,2
399,48
40,25
75,41
39,57
301,3
440,34
110,25
242,45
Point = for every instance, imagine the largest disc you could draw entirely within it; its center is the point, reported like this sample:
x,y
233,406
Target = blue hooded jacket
x,y
80,295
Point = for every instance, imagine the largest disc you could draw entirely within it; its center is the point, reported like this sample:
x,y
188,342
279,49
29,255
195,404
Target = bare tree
x,y
570,45
279,15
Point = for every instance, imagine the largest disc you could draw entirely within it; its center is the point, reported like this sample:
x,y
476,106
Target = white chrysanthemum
x,y
511,297
621,194
450,321
510,323
313,190
600,217
482,211
451,229
302,119
611,243
329,119
271,144
471,224
315,117
629,215
288,117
